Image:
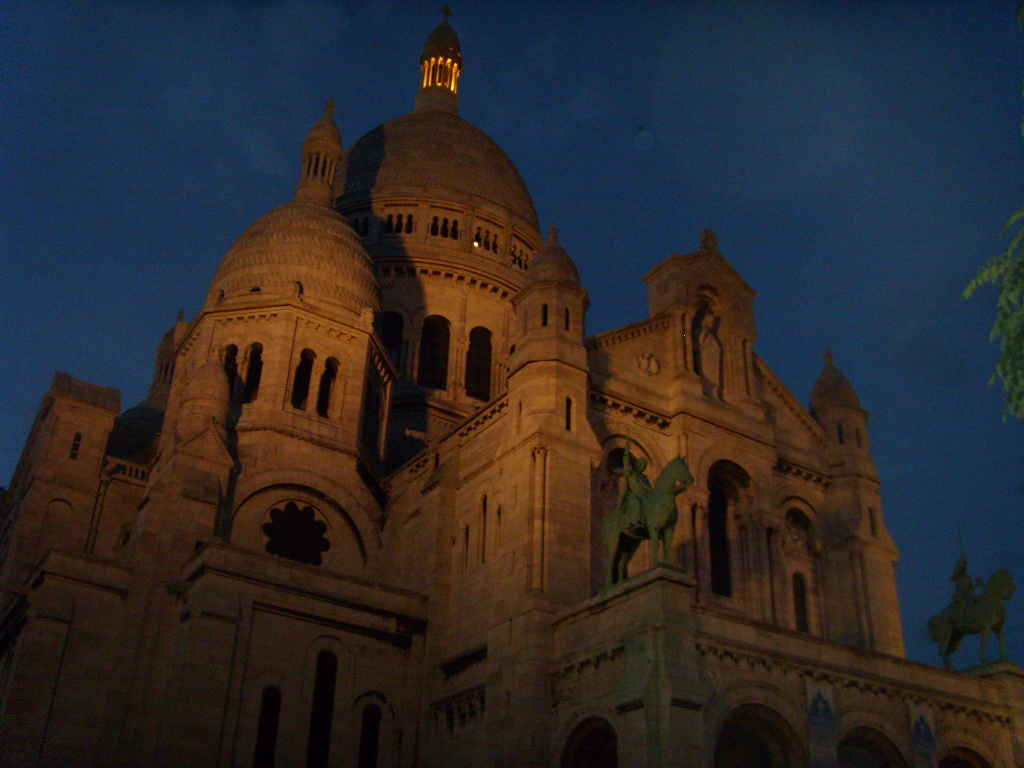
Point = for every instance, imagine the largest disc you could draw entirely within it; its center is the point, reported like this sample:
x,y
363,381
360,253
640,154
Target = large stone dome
x,y
302,248
435,153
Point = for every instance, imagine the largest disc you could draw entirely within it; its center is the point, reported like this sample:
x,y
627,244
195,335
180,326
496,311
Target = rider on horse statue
x,y
636,487
964,598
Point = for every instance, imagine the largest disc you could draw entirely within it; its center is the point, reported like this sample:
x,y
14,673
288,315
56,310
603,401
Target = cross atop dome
x,y
446,12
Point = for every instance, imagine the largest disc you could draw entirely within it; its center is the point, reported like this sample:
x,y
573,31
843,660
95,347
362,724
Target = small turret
x,y
322,158
550,309
834,403
440,68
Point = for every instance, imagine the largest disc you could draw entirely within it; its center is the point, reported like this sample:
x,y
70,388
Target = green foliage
x,y
1007,271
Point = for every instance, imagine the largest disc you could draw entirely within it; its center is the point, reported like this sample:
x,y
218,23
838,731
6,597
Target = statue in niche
x,y
708,350
971,614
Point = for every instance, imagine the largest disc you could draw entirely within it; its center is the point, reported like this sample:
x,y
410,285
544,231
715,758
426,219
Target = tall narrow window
x,y
319,748
398,223
800,603
369,736
483,529
323,397
373,404
389,225
872,521
568,414
718,540
433,226
254,372
391,335
266,731
567,318
455,229
544,314
478,364
231,367
839,433
408,223
75,445
433,363
303,373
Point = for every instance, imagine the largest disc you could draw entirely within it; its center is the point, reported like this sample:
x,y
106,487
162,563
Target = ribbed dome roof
x,y
551,263
135,432
435,152
832,388
300,248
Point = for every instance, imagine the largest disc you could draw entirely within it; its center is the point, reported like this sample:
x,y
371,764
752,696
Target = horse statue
x,y
644,512
970,614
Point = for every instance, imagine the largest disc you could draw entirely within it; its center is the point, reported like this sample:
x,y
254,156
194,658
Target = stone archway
x,y
754,736
868,748
592,744
962,757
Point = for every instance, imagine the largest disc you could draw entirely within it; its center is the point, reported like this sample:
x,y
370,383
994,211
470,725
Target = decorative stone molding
x,y
785,467
565,681
483,417
612,404
763,663
487,286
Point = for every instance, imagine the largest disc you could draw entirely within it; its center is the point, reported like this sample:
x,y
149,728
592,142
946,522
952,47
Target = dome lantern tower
x,y
440,68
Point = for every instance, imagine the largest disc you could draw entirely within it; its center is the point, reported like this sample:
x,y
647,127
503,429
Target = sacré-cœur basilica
x,y
366,515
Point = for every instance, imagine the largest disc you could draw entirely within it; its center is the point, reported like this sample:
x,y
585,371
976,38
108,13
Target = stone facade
x,y
358,519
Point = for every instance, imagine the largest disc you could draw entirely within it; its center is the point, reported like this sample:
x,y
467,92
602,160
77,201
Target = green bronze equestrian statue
x,y
972,614
643,511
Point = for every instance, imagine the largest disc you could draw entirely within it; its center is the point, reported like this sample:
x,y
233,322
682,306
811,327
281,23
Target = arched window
x,y
319,748
433,364
433,227
725,479
408,223
254,373
231,367
444,228
398,223
75,445
478,364
389,225
369,736
303,373
323,397
373,405
718,540
455,229
800,603
391,335
266,731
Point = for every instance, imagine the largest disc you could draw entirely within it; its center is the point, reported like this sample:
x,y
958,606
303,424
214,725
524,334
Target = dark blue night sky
x,y
857,160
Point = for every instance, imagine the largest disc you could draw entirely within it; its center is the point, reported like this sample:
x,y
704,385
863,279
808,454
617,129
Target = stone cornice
x,y
628,332
611,404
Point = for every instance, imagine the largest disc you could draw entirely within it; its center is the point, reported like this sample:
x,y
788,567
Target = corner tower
x,y
450,228
861,590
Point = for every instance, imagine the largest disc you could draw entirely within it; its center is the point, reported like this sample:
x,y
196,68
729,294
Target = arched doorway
x,y
754,736
961,757
592,744
868,748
